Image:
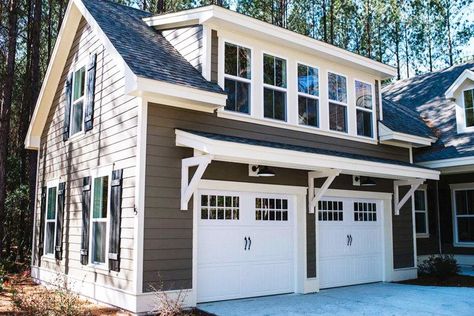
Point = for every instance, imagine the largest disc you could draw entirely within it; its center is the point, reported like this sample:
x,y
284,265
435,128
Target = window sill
x,y
464,244
99,268
76,136
295,127
49,258
422,235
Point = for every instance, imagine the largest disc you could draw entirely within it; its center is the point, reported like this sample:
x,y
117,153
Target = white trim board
x,y
261,155
387,135
466,74
442,164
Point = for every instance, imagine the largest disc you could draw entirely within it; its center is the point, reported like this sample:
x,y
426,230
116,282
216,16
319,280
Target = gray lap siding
x,y
168,231
113,140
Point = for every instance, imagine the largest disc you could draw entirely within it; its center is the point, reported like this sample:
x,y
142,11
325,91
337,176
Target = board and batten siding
x,y
168,231
113,140
188,41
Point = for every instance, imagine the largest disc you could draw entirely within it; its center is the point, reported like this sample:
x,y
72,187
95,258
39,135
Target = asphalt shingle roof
x,y
310,150
401,119
425,95
145,50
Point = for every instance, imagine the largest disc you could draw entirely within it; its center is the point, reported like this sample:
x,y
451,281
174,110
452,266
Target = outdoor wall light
x,y
363,181
263,171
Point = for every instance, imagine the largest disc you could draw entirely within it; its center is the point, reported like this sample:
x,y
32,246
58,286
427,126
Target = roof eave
x,y
215,15
387,135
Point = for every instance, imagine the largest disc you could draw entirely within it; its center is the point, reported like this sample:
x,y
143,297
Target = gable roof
x,y
425,94
144,50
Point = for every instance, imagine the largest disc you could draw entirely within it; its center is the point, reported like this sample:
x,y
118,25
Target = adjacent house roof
x,y
146,51
425,94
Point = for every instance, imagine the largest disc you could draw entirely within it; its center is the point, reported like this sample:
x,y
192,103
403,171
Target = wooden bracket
x,y
188,187
313,196
414,185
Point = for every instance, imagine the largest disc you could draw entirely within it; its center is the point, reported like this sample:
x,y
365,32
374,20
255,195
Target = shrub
x,y
165,305
440,266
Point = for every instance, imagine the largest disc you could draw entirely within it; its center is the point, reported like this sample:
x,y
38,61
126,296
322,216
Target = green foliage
x,y
440,266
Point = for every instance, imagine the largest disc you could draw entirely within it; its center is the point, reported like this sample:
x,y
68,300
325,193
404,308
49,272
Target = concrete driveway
x,y
370,299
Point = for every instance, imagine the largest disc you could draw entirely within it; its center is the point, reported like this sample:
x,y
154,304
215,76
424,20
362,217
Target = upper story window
x,y
337,93
308,95
364,106
274,87
237,77
469,107
50,222
78,96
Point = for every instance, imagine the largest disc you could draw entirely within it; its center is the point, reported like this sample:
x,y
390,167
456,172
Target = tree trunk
x,y
331,23
407,54
367,29
5,107
448,27
397,49
325,24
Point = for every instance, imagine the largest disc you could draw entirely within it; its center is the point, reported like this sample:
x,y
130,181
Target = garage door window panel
x,y
271,209
219,207
365,212
330,211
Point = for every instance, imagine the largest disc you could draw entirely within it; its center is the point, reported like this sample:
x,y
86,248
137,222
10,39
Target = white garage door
x,y
351,241
245,245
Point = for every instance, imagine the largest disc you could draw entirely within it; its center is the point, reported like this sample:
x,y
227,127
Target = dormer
x,y
461,92
279,78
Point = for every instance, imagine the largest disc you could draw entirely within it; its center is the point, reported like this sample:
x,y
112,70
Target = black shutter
x,y
89,117
42,223
60,221
86,206
115,215
67,107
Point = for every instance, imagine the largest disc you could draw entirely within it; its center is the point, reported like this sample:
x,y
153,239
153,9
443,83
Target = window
x,y
237,75
464,215
337,91
308,96
469,107
421,212
51,210
78,96
100,204
274,87
330,211
364,106
219,207
271,209
365,212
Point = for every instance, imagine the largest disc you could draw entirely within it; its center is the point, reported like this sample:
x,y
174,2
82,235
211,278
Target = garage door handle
x,y
245,248
348,240
250,242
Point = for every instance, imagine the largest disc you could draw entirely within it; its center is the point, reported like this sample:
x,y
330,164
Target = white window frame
x,y
346,105
98,173
425,212
372,90
466,128
272,87
50,184
80,64
306,95
454,188
241,79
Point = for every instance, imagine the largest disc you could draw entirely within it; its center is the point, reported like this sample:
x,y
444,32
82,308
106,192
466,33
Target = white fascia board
x,y
277,157
466,74
388,135
72,17
175,95
447,163
215,15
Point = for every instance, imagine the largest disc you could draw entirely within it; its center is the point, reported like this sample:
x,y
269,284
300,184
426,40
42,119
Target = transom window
x,y
364,108
274,87
78,96
100,205
237,76
469,107
308,95
51,210
421,212
219,207
464,215
330,211
365,212
271,209
337,92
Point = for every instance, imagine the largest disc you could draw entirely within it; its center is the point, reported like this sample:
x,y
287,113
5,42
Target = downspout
x,y
439,219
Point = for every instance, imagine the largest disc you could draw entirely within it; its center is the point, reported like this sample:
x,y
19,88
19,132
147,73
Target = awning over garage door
x,y
210,146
